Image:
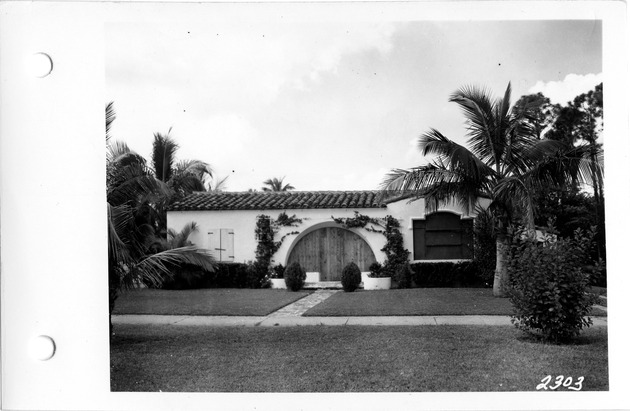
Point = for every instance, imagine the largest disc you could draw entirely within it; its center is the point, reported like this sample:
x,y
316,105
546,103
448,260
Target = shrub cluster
x,y
350,277
444,274
404,276
225,275
258,275
376,270
294,276
548,285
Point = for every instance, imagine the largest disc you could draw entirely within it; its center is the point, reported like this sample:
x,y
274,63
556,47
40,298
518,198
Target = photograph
x,y
314,205
356,205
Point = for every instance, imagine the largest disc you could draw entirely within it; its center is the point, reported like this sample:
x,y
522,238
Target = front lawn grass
x,y
417,301
218,301
348,359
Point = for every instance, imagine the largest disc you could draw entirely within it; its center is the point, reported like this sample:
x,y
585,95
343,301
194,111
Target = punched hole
x,y
42,348
40,65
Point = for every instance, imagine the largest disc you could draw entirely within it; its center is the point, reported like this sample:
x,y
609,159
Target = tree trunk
x,y
501,275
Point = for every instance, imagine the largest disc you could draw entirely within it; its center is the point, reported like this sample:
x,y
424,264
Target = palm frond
x,y
119,153
163,155
481,122
195,167
455,157
117,219
130,183
154,268
568,165
110,116
217,184
180,239
275,184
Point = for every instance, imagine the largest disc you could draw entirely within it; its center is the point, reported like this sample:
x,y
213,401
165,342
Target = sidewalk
x,y
289,321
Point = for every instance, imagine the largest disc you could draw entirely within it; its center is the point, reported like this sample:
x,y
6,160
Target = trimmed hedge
x,y
226,275
240,275
443,274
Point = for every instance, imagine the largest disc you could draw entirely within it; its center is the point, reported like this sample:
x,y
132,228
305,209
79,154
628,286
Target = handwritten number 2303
x,y
560,381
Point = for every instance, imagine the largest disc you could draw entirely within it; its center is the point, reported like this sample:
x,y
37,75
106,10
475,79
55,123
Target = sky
x,y
329,105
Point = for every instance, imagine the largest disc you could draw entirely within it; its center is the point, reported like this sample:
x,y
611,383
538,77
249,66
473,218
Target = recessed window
x,y
443,236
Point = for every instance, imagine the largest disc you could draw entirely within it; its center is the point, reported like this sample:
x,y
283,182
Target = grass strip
x,y
219,301
348,359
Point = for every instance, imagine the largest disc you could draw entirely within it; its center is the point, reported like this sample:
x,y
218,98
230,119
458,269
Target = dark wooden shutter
x,y
419,229
442,236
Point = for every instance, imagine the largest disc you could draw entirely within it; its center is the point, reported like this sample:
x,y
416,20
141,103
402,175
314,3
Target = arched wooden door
x,y
327,250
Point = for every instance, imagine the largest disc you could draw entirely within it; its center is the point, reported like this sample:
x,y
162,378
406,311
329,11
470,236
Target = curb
x,y
290,321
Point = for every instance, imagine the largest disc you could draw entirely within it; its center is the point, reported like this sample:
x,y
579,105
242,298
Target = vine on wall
x,y
266,230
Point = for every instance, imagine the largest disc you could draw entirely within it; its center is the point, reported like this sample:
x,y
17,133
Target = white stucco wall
x,y
243,222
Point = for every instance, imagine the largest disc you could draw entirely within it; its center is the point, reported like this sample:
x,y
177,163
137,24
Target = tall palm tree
x,y
181,177
505,163
275,184
136,254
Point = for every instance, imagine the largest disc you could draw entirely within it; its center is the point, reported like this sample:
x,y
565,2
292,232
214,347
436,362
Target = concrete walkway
x,y
288,321
302,305
291,315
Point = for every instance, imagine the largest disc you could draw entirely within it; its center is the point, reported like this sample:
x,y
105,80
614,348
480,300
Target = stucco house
x,y
227,220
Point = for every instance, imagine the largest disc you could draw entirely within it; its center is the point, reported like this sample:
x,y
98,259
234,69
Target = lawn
x,y
417,301
348,359
248,302
222,301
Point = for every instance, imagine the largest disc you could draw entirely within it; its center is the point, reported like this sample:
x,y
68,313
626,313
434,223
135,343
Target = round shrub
x,y
350,277
549,286
294,276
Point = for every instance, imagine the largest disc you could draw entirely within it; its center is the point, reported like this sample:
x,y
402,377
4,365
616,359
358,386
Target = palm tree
x,y
184,176
275,184
505,163
136,254
181,177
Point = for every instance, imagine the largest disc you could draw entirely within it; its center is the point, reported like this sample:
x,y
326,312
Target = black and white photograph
x,y
333,199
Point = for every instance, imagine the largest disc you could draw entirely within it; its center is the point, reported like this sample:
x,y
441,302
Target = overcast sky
x,y
330,105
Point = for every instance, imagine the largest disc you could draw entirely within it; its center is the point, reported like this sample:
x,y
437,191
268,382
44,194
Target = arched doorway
x,y
327,250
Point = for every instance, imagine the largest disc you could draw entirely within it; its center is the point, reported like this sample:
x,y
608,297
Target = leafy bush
x,y
549,284
395,252
294,276
376,270
445,274
277,271
350,277
404,276
257,275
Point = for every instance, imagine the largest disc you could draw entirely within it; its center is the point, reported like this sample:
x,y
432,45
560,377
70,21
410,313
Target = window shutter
x,y
419,229
443,236
214,243
227,244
